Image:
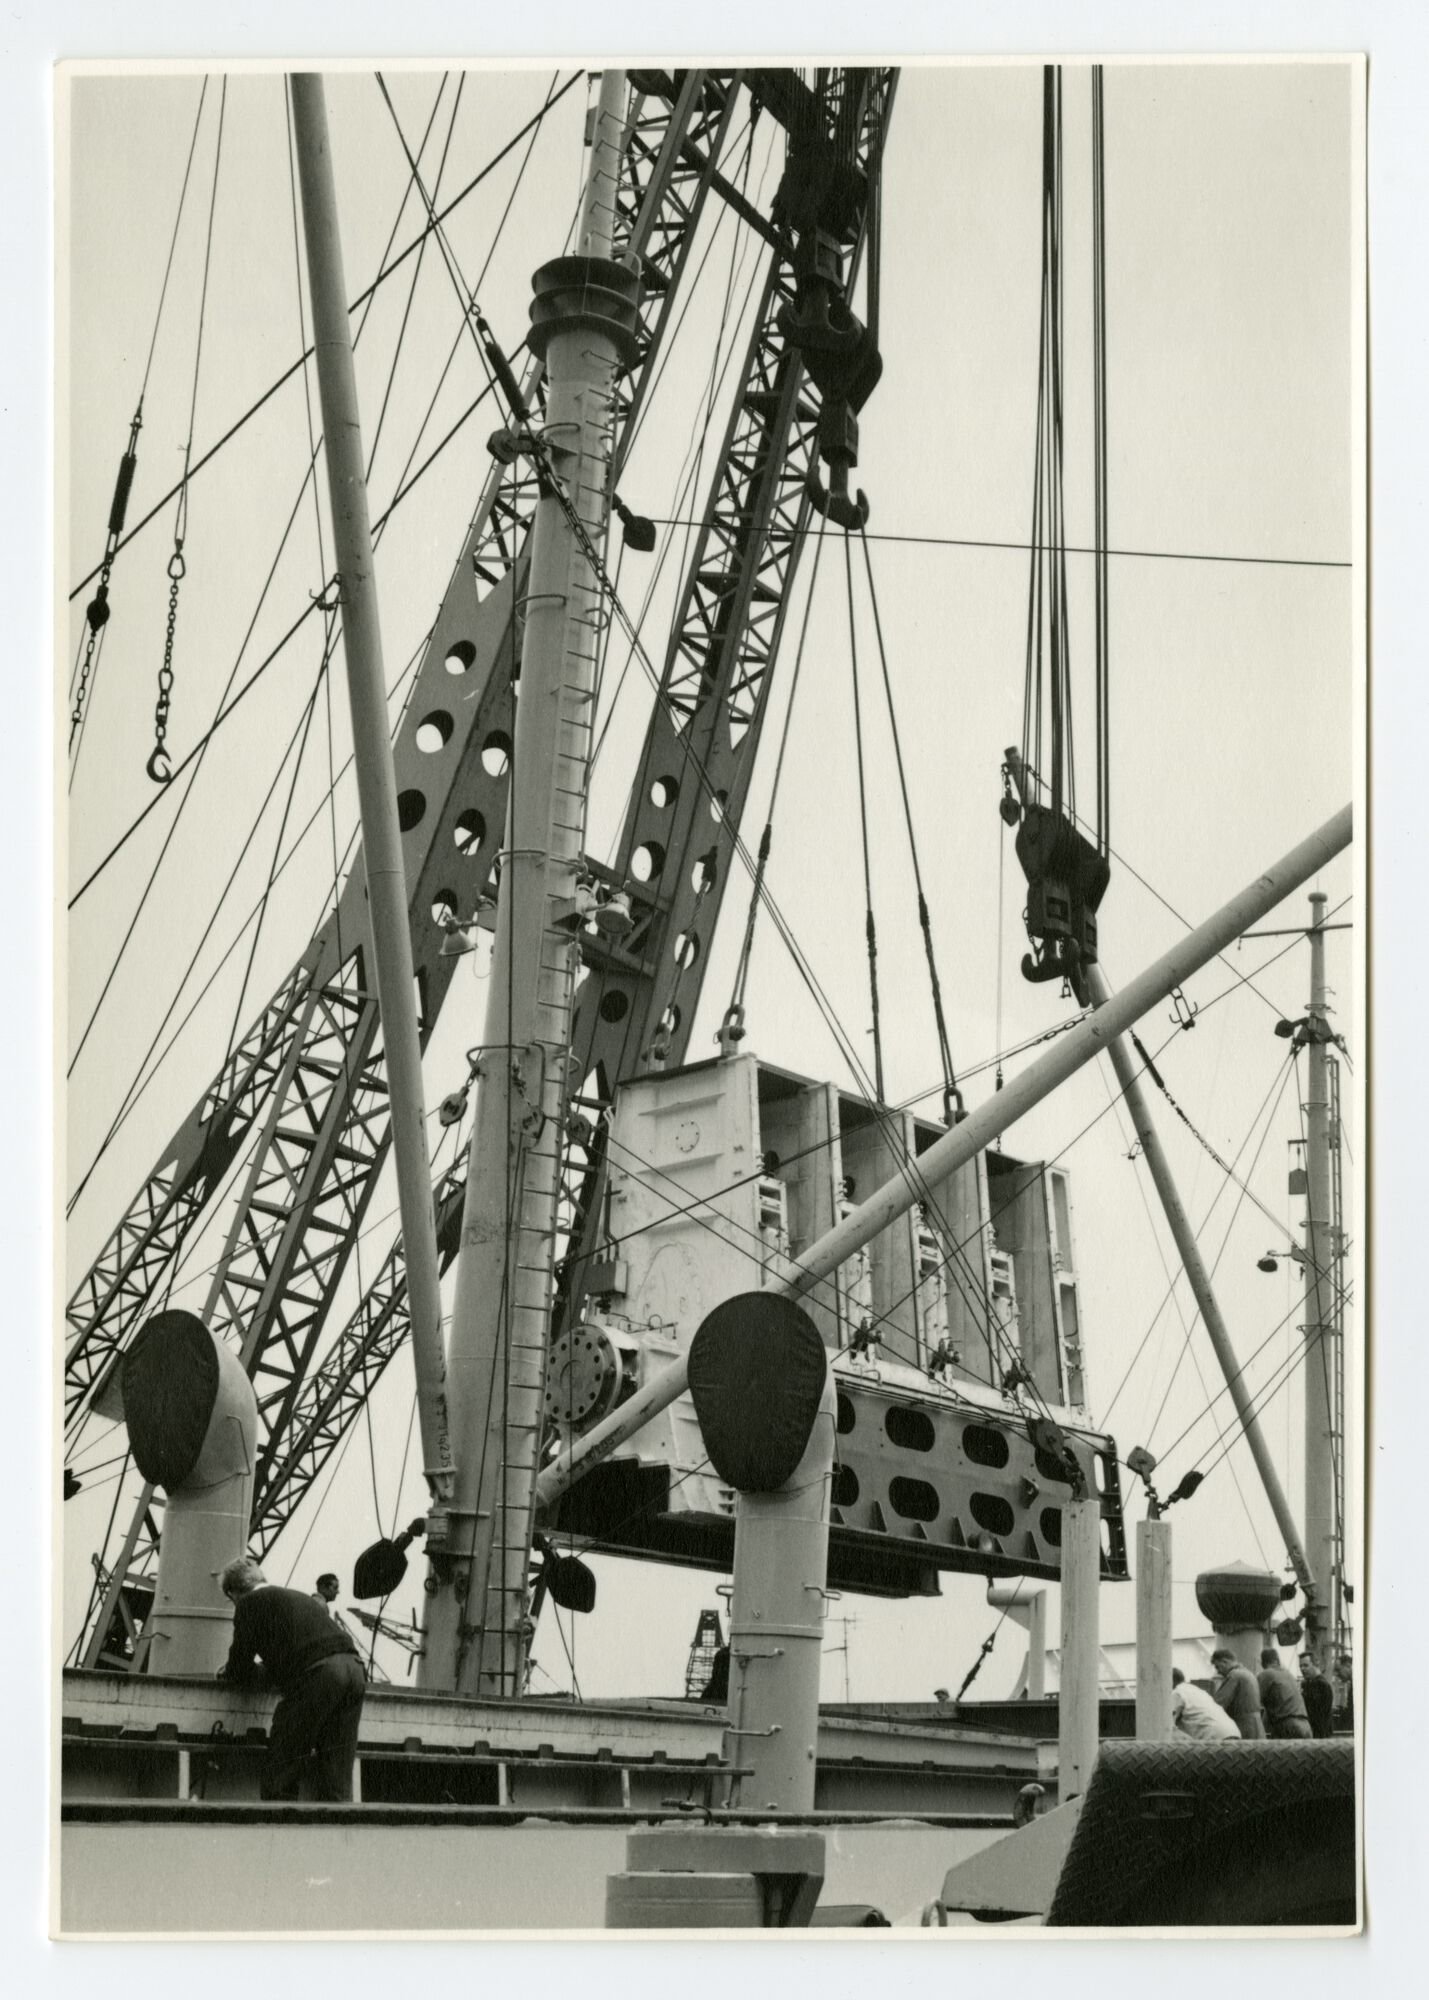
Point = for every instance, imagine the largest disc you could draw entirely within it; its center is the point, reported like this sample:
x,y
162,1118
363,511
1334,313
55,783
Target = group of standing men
x,y
1253,1706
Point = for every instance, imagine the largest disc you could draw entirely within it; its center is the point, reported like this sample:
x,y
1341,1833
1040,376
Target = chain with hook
x,y
158,766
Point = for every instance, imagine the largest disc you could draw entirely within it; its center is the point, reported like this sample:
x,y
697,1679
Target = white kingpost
x,y
1027,1608
1199,1279
477,1611
1037,1646
1153,1631
387,897
1320,1318
968,1138
776,1628
1079,1693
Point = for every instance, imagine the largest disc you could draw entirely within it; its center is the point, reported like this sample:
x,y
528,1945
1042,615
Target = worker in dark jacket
x,y
1318,1695
1237,1693
315,1667
1281,1700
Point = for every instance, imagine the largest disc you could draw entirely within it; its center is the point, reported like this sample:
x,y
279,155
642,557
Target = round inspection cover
x,y
169,1381
757,1371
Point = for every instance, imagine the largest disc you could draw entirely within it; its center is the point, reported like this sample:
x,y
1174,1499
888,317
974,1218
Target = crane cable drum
x,y
1067,872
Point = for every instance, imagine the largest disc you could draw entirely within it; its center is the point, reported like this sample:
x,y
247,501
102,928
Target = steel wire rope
x,y
1081,1133
137,1086
826,1144
699,438
745,133
303,617
1180,1312
135,1089
766,839
77,720
99,1584
594,556
908,1170
1228,1178
1278,1379
595,1542
363,298
416,268
685,482
1081,549
1343,1295
157,767
870,929
401,486
952,1097
196,758
1225,1244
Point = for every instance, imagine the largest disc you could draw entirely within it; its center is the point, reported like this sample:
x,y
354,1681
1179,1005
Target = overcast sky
x,y
1234,480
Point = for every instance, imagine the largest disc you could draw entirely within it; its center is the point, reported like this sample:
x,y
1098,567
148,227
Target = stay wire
x,y
136,1086
158,768
196,759
1180,1311
766,839
362,299
416,268
1225,1243
1241,980
91,646
870,930
952,1096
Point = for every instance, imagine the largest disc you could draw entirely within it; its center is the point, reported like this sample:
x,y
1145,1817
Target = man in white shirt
x,y
1199,1715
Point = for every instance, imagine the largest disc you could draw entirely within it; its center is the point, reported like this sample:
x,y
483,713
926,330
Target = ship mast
x,y
1321,1316
583,327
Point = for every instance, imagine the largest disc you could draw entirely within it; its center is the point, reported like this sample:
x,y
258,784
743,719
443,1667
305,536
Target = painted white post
x,y
776,1628
1079,1699
1153,1632
1037,1646
387,900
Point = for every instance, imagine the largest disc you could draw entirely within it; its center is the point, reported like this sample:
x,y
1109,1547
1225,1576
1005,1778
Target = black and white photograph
x,y
711,936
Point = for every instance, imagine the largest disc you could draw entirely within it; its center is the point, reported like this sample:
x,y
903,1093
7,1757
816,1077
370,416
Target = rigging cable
x,y
159,767
869,928
1243,979
363,299
1099,399
98,610
734,1013
136,1088
1171,1294
952,1095
1225,1242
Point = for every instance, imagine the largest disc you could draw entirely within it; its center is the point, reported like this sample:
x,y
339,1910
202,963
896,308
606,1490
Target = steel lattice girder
x,y
729,627
451,775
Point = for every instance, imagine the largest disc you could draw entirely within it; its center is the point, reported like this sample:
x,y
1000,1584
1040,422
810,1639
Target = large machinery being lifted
x,y
304,1094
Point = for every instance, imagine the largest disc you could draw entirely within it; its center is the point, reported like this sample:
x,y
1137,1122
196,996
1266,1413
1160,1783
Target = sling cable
x,y
1067,873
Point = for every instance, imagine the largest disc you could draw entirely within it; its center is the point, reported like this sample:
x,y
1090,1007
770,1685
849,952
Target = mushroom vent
x,y
757,1371
169,1381
1235,1595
